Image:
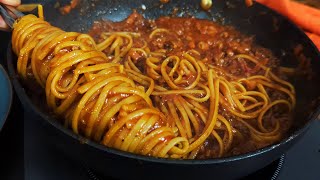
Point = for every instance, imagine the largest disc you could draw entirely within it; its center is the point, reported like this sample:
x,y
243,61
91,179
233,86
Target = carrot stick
x,y
315,38
309,9
304,16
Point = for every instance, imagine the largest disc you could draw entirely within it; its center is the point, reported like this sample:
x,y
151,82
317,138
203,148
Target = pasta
x,y
174,105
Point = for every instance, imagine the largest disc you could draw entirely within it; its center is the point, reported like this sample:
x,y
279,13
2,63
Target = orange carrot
x,y
304,16
315,38
309,9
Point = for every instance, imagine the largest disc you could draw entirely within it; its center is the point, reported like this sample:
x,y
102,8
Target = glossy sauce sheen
x,y
216,44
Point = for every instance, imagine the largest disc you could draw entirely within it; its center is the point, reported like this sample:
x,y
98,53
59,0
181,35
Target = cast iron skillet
x,y
269,29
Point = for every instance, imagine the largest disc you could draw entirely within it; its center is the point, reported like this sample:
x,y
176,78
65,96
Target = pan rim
x,y
24,98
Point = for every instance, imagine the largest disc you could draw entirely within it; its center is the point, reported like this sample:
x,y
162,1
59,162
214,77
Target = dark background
x,y
11,136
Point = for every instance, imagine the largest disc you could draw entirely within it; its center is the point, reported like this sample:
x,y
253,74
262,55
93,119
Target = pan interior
x,y
268,28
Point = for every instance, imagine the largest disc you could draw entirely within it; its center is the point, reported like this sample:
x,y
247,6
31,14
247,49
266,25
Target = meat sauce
x,y
217,46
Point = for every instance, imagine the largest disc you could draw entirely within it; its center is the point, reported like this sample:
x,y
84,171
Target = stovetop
x,y
25,154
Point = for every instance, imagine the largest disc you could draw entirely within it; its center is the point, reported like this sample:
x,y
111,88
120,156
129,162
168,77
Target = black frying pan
x,y
269,29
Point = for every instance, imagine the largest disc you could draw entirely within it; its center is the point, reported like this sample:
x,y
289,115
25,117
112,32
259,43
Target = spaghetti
x,y
148,92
